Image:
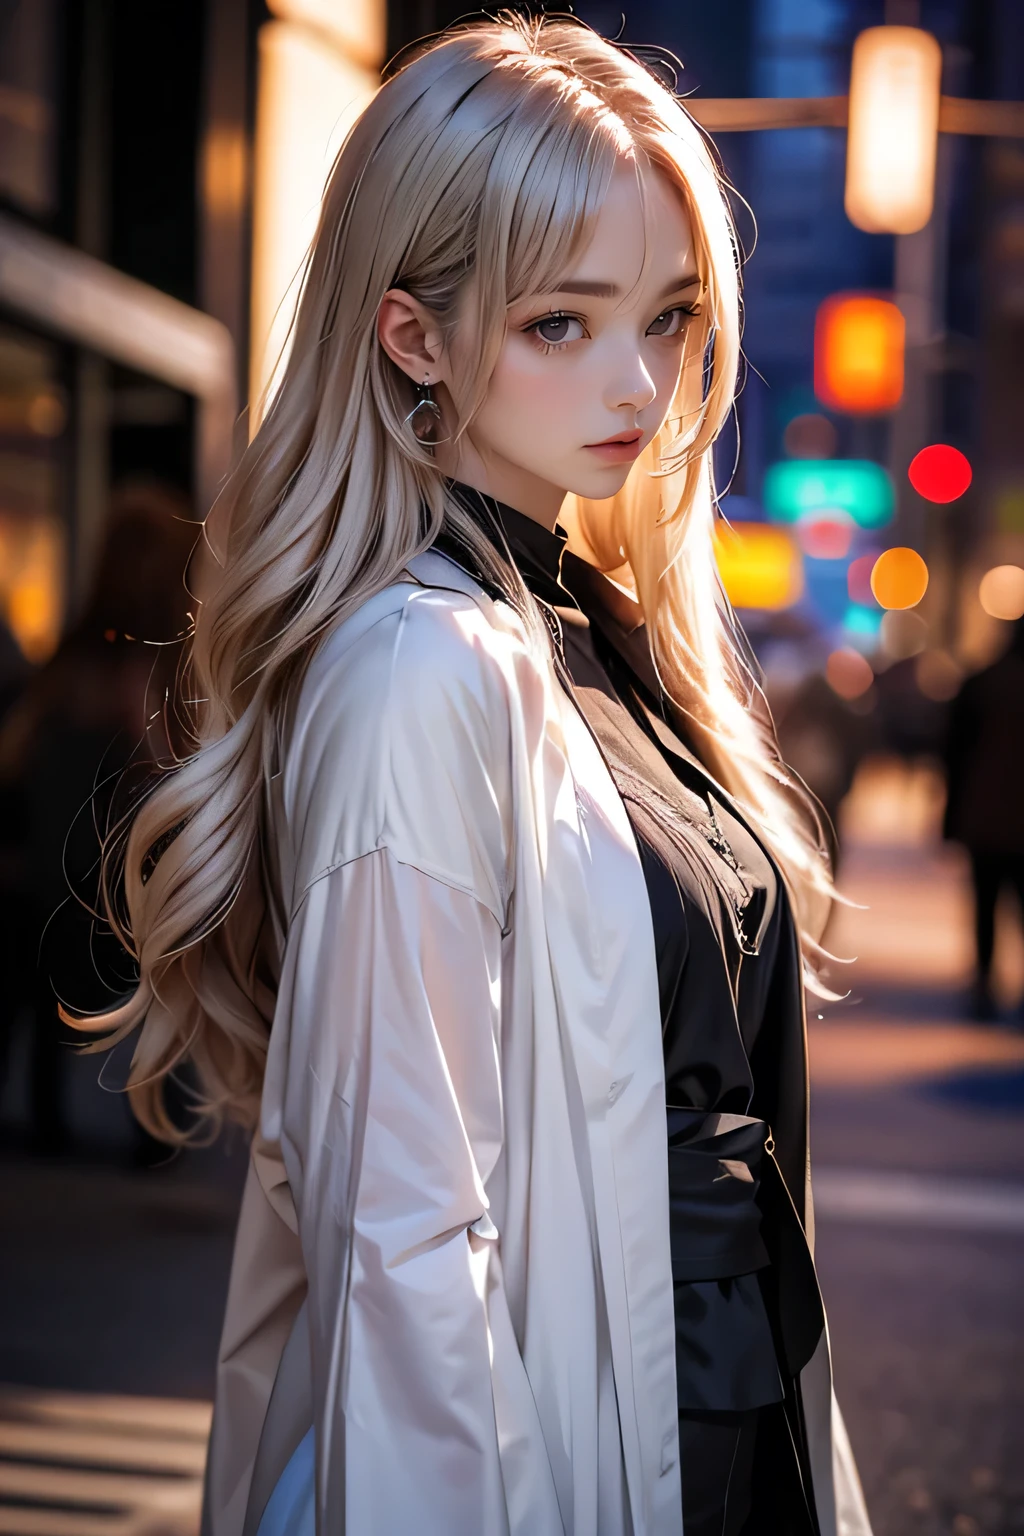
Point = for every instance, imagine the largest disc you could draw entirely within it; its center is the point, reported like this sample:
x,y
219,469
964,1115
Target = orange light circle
x,y
848,673
899,578
1001,592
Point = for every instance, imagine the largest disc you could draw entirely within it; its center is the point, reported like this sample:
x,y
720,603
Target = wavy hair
x,y
473,176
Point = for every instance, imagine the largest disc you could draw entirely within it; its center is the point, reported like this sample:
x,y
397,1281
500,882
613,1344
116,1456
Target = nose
x,y
631,385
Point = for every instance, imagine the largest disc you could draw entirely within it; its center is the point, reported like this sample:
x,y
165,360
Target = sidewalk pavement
x,y
918,1155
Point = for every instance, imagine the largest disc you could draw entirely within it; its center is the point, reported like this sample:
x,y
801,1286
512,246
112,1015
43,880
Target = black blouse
x,y
716,902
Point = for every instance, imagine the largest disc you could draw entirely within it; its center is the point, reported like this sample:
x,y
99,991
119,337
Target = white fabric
x,y
462,1159
416,721
414,967
851,1511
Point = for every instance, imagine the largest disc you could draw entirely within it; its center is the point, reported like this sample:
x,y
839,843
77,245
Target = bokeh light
x,y
940,473
826,536
310,93
848,674
826,589
904,633
858,354
47,414
796,489
861,626
899,578
760,566
1001,592
858,578
810,436
938,676
33,557
895,79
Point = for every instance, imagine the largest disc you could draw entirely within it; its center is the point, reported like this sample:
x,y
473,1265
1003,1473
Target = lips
x,y
620,449
620,437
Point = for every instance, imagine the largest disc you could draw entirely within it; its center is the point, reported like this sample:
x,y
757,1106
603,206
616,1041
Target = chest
x,y
599,914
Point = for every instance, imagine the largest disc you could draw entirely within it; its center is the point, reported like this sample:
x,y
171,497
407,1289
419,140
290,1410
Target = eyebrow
x,y
597,290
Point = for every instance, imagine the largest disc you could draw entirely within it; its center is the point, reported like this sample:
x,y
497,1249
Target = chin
x,y
600,484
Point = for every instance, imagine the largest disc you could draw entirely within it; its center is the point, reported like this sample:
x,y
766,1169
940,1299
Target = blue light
x,y
826,588
862,625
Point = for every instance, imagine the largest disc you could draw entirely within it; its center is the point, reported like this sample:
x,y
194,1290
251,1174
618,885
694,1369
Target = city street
x,y
113,1281
281,302
916,1140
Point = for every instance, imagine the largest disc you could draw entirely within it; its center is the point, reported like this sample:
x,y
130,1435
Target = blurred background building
x,y
161,166
177,153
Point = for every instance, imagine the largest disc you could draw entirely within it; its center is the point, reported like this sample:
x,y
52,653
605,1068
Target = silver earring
x,y
425,416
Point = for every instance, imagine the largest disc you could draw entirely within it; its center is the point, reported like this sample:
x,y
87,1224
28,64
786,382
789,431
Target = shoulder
x,y
401,737
411,650
447,608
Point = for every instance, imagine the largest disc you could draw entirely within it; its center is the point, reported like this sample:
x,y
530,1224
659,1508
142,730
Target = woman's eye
x,y
555,330
669,323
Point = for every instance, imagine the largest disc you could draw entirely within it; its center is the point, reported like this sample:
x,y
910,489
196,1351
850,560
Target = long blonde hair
x,y
470,179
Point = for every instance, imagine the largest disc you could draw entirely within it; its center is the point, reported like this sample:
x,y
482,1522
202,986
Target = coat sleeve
x,y
392,1123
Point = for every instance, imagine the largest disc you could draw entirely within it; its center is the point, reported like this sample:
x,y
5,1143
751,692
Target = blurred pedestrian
x,y
909,723
823,738
985,805
91,711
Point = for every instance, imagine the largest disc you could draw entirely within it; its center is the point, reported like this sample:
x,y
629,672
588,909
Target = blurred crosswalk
x,y
73,1464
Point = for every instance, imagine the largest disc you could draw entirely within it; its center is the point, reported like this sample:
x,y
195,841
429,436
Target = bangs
x,y
561,191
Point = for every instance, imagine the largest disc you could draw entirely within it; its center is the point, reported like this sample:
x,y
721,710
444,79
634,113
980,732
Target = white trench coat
x,y
453,1251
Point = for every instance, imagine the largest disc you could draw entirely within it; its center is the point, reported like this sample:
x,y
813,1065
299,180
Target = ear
x,y
410,336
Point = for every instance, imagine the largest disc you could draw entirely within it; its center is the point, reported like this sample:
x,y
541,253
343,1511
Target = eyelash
x,y
545,347
551,346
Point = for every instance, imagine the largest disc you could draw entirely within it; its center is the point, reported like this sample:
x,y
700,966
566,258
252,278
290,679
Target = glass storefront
x,y
33,545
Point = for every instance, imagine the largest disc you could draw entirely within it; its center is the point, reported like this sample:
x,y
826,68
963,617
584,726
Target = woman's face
x,y
588,371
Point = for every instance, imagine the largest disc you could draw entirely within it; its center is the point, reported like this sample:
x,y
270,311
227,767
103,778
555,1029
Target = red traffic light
x,y
940,473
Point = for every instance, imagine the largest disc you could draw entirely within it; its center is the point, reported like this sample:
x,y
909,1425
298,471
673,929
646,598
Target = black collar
x,y
536,550
574,589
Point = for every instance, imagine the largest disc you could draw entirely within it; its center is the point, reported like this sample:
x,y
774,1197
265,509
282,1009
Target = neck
x,y
508,483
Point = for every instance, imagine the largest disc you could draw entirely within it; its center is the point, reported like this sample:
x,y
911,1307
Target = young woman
x,y
479,898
